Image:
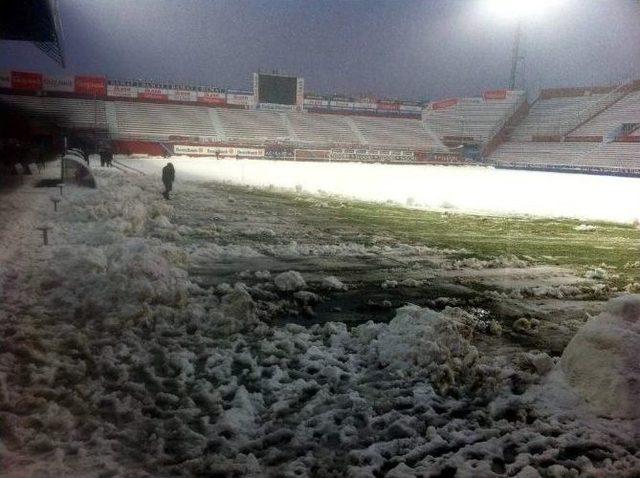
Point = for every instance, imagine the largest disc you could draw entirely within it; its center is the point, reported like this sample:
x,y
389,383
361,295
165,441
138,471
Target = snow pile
x,y
558,292
289,281
597,273
585,228
215,252
347,249
507,261
332,283
111,283
602,363
424,342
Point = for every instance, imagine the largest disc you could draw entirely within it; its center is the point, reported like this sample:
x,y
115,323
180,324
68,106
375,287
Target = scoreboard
x,y
271,90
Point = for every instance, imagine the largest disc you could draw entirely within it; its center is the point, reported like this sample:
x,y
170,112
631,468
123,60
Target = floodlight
x,y
519,9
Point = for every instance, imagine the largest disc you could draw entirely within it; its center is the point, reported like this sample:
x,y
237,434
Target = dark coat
x,y
168,174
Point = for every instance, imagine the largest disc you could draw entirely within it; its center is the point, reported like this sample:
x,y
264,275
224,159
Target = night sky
x,y
387,48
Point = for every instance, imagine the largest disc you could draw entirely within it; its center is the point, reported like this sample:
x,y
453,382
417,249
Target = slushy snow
x,y
602,361
116,361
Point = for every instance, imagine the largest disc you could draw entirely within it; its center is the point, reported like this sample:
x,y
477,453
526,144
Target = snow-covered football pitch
x,y
242,331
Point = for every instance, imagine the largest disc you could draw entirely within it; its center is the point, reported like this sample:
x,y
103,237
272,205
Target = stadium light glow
x,y
519,9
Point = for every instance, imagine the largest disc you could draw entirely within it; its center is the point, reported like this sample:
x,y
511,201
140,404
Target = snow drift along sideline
x,y
464,188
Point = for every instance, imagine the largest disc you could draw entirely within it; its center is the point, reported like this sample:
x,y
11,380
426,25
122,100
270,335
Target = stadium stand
x,y
245,125
405,133
69,112
626,110
559,111
597,157
476,119
321,128
160,121
586,129
578,129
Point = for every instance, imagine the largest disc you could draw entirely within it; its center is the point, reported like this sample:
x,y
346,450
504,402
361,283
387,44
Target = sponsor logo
x,y
387,106
52,83
221,151
212,98
22,80
371,155
240,99
495,95
442,104
315,102
182,95
90,85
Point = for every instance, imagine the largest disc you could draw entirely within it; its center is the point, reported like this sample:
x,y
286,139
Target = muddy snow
x,y
218,334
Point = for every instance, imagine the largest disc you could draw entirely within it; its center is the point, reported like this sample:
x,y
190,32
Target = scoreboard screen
x,y
276,89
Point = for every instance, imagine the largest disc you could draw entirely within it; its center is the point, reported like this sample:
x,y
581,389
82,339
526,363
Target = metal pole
x,y
515,56
64,152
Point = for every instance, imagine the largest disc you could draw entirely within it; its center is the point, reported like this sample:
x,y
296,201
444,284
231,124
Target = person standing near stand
x,y
168,176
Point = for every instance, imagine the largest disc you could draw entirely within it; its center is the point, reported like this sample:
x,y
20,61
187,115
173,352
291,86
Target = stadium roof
x,y
36,21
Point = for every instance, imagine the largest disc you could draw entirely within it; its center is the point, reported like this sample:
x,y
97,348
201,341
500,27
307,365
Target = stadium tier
x,y
158,121
325,128
67,112
596,157
405,133
585,129
161,122
626,110
558,112
253,126
474,119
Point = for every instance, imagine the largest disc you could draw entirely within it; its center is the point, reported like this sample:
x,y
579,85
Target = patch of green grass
x,y
548,241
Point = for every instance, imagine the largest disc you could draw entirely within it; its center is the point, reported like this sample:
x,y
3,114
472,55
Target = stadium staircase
x,y
217,123
502,131
473,120
356,131
597,109
110,114
401,133
289,127
324,129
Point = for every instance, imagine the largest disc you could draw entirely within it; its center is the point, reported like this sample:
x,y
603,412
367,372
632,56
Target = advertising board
x,y
119,91
23,80
90,85
58,83
220,151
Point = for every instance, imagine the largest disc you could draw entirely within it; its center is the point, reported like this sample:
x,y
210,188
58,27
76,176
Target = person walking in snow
x,y
168,176
109,158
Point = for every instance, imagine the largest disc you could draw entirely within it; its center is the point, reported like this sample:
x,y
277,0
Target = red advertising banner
x,y
384,105
151,94
495,95
211,100
442,104
22,80
90,85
